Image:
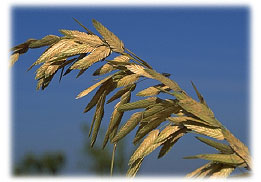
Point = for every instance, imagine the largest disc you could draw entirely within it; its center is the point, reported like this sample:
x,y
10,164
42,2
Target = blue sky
x,y
206,45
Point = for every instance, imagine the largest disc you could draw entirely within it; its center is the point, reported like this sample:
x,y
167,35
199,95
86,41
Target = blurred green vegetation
x,y
98,160
94,160
50,163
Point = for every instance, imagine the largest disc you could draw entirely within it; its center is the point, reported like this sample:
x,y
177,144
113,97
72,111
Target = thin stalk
x,y
164,125
88,31
112,158
138,58
133,58
141,80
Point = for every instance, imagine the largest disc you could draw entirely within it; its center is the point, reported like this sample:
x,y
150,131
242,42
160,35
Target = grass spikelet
x,y
14,57
115,43
76,59
200,97
139,104
168,144
106,68
132,171
40,72
96,55
95,98
199,170
127,80
152,91
23,48
93,120
121,59
128,126
79,49
158,107
39,83
45,41
44,82
98,117
121,92
232,159
92,40
163,79
147,142
219,146
223,172
48,69
182,119
51,70
137,69
199,110
206,130
54,50
91,88
152,113
237,146
116,117
153,124
208,171
166,132
149,112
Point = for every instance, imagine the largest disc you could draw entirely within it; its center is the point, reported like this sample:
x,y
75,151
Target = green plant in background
x,y
46,164
100,162
181,114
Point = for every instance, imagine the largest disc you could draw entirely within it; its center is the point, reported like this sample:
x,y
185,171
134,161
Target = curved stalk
x,y
112,158
138,59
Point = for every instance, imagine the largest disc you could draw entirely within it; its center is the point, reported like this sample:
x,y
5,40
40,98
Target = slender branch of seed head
x,y
131,54
144,62
88,31
112,158
167,124
133,58
142,80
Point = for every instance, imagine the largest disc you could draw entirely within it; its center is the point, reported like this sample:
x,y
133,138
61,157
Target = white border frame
x,y
255,91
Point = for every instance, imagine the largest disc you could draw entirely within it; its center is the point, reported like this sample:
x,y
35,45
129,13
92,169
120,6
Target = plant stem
x,y
133,58
112,158
88,31
138,58
238,146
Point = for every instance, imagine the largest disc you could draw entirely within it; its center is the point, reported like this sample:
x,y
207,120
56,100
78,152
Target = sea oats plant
x,y
181,114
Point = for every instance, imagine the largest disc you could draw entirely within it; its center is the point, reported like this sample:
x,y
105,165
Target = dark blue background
x,y
209,46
